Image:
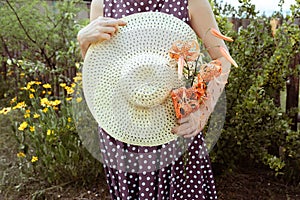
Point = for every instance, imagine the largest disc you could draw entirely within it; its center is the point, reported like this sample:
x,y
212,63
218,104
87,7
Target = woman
x,y
179,180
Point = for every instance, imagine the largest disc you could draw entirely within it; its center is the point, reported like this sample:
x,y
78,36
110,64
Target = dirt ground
x,y
243,184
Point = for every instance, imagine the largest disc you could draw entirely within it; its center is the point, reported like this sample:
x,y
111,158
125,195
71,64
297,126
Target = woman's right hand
x,y
98,30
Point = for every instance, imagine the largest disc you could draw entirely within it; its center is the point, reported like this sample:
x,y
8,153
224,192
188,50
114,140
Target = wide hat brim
x,y
127,80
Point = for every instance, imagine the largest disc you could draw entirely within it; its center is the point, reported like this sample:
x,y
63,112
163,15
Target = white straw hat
x,y
127,80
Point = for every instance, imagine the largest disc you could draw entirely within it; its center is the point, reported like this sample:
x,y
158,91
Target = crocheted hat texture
x,y
127,80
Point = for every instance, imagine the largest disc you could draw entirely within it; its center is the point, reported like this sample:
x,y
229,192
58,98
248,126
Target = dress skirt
x,y
157,173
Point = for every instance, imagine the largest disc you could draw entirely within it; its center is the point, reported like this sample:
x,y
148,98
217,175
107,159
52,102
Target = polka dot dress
x,y
164,172
122,8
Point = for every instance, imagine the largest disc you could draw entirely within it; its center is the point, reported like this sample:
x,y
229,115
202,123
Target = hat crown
x,y
146,79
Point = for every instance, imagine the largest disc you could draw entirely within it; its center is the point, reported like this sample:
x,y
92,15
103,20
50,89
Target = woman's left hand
x,y
189,126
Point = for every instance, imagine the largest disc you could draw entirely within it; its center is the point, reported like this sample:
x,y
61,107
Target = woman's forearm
x,y
83,44
95,12
202,20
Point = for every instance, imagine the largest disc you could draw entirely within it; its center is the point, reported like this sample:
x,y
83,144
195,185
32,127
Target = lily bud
x,y
217,34
225,53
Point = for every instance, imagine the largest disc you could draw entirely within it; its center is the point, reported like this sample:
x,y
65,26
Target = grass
x,y
8,159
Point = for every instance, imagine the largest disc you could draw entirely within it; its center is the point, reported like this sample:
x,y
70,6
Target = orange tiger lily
x,y
200,88
184,51
210,70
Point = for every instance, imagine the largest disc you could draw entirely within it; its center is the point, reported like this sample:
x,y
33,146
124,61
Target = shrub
x,y
40,57
256,127
49,147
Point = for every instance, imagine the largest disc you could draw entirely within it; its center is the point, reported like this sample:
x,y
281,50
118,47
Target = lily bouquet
x,y
195,72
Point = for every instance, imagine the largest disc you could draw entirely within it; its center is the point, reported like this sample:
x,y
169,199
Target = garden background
x,y
42,155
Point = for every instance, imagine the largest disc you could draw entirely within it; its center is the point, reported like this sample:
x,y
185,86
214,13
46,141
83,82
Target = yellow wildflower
x,y
43,92
31,83
69,119
13,100
47,86
50,132
32,90
79,99
44,102
69,90
34,159
62,85
32,128
77,78
73,85
4,111
54,103
38,82
77,65
49,92
20,105
23,126
35,115
69,98
28,86
21,155
22,74
31,96
57,102
27,115
45,110
55,108
27,111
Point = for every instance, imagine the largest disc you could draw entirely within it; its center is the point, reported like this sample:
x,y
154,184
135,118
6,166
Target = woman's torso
x,y
122,8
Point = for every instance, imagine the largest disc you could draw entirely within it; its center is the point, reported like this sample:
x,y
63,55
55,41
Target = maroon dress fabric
x,y
161,172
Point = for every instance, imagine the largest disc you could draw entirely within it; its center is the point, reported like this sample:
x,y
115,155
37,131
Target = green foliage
x,y
256,127
42,36
39,56
50,150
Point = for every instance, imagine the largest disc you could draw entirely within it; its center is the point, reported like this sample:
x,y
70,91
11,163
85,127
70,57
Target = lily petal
x,y
180,67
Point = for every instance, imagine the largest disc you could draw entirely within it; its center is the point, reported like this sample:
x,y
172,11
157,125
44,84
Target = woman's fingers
x,y
184,129
188,126
193,134
104,21
105,36
183,120
108,25
109,30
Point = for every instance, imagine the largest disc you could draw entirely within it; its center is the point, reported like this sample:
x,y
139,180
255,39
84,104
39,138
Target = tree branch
x,y
20,22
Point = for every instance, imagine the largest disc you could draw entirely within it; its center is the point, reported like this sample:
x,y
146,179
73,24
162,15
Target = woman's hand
x,y
98,30
189,126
